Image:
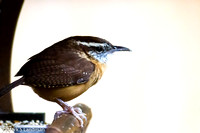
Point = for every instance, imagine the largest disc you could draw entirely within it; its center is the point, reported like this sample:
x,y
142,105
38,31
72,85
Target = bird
x,y
65,70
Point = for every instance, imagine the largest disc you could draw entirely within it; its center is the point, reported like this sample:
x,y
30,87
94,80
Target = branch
x,y
67,123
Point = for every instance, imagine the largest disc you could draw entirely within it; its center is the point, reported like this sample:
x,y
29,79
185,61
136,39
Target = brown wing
x,y
56,67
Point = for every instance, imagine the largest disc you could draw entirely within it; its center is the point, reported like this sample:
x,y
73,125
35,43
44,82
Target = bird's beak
x,y
120,48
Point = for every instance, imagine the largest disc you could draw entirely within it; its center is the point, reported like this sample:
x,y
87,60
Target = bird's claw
x,y
76,112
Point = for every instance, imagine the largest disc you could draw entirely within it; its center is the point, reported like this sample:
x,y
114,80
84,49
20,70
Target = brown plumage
x,y
66,69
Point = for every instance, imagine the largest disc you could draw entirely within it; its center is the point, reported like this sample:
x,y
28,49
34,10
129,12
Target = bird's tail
x,y
12,85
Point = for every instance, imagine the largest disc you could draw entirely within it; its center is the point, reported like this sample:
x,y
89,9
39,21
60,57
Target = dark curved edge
x,y
9,13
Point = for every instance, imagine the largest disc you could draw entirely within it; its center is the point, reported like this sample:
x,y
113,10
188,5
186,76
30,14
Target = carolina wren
x,y
66,69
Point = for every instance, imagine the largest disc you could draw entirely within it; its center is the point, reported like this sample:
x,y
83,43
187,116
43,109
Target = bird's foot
x,y
76,112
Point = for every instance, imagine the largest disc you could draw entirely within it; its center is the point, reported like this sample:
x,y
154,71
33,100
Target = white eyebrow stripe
x,y
91,44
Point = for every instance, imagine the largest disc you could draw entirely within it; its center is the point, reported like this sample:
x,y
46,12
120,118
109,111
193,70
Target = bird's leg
x,y
76,112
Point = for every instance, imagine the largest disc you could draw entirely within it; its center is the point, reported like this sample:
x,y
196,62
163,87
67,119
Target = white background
x,y
153,89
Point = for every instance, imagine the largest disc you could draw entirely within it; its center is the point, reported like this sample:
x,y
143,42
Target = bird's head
x,y
97,48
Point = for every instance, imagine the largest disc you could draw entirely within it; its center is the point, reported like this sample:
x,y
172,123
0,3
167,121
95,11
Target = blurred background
x,y
155,88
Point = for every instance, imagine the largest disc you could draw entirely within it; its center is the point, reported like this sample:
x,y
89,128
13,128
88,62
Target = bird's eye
x,y
99,49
